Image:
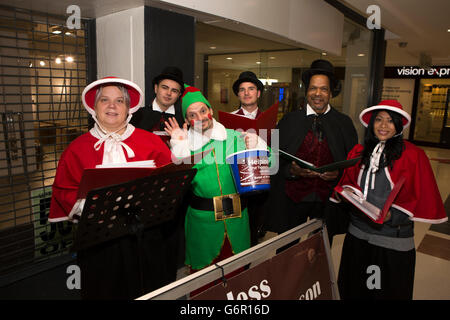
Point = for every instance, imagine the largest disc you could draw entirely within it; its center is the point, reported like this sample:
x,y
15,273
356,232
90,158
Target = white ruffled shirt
x,y
156,107
250,115
310,110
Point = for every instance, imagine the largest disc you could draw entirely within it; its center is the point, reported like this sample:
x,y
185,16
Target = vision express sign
x,y
300,272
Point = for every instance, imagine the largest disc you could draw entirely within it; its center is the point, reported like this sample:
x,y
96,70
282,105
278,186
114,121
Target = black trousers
x,y
255,205
299,213
362,263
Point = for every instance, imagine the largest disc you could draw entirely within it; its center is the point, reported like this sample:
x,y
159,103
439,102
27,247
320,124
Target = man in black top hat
x,y
248,89
169,87
320,135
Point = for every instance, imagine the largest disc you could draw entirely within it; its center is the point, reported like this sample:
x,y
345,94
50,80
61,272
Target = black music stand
x,y
129,208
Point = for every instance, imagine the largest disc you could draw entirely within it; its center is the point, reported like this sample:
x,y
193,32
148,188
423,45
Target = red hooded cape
x,y
80,155
419,196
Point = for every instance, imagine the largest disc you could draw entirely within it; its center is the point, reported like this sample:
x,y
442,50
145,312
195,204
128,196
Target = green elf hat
x,y
190,96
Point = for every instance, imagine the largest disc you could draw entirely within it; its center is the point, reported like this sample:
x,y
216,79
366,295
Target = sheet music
x,y
132,164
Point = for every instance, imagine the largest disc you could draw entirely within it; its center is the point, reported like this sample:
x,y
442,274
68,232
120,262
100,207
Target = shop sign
x,y
49,237
298,273
432,72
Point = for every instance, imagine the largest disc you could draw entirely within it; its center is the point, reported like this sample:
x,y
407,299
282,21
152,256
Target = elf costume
x,y
206,237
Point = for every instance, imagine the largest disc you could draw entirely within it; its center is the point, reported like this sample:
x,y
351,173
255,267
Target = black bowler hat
x,y
326,68
247,76
172,73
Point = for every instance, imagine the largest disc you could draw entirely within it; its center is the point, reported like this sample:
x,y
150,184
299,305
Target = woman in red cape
x,y
111,270
378,260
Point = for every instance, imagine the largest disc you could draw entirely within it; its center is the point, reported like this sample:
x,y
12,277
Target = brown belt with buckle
x,y
224,207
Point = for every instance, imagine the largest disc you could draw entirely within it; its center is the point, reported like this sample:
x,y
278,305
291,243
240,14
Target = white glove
x,y
253,141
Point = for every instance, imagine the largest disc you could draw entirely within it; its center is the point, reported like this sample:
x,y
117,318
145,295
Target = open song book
x,y
267,121
326,168
356,197
111,174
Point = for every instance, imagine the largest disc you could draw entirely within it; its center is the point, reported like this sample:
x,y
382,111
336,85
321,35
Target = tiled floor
x,y
432,276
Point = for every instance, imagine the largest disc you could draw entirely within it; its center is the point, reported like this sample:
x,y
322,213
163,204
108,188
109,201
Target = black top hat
x,y
172,73
326,68
247,76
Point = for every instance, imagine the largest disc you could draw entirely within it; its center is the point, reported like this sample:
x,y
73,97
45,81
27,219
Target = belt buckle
x,y
227,206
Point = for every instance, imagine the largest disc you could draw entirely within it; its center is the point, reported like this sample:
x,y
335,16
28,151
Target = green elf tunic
x,y
205,236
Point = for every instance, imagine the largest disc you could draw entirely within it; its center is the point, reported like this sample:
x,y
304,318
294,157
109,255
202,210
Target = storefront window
x,y
280,70
277,70
356,50
43,69
432,107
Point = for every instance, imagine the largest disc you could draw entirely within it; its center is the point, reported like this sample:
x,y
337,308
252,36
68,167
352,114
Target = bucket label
x,y
254,171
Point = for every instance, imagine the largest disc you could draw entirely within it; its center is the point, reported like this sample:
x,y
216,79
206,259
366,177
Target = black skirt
x,y
370,272
125,269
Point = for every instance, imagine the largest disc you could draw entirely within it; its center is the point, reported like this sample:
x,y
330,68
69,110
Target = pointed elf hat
x,y
190,96
391,105
88,95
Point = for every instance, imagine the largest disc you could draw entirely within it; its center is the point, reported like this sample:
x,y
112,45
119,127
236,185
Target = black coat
x,y
293,128
145,118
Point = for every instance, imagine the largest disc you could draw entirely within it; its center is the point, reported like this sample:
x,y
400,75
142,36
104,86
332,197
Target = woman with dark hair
x,y
378,260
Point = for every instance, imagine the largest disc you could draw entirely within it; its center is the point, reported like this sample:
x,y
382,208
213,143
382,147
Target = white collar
x,y
310,110
113,151
197,140
156,107
250,114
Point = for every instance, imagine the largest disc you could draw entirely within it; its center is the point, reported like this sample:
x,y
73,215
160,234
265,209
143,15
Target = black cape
x,y
145,118
293,128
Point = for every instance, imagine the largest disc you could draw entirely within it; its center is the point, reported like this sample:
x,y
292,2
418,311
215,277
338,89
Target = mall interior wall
x,y
156,38
294,20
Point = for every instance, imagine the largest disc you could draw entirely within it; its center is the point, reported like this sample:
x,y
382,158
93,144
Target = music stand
x,y
129,208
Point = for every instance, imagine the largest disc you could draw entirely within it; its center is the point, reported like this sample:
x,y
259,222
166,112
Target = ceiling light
x,y
212,48
69,59
271,58
229,58
58,60
31,64
268,81
448,30
42,63
68,34
56,32
324,53
258,62
361,54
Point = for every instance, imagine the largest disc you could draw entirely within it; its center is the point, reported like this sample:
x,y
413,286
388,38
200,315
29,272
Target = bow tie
x,y
162,120
317,128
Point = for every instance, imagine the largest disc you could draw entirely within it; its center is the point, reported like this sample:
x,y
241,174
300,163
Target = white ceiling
x,y
421,24
246,51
